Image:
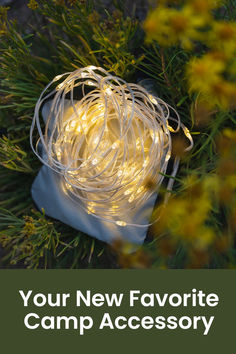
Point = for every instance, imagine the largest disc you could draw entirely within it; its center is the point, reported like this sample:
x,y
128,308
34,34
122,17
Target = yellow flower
x,y
171,26
205,237
156,25
205,77
33,5
223,93
223,37
203,6
204,72
231,134
3,20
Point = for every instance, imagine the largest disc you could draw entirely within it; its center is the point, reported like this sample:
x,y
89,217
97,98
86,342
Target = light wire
x,y
109,144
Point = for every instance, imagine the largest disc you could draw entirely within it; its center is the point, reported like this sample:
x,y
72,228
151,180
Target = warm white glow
x,y
152,99
108,144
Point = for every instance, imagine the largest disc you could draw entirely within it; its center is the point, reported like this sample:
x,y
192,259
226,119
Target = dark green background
x,y
15,338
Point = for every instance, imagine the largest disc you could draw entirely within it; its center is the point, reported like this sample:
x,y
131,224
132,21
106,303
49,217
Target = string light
x,y
107,142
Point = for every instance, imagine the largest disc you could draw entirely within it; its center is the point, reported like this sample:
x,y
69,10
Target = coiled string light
x,y
108,144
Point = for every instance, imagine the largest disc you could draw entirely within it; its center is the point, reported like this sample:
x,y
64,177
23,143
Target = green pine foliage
x,y
61,37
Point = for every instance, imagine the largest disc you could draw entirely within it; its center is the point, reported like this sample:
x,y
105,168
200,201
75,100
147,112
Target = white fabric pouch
x,y
48,194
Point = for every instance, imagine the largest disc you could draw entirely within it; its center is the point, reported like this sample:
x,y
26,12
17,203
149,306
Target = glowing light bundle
x,y
107,139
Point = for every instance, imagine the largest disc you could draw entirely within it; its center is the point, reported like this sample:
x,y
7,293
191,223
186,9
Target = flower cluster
x,y
33,5
3,19
194,26
190,222
200,219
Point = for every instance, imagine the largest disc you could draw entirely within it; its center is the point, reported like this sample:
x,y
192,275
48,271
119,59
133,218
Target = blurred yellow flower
x,y
169,26
33,5
223,94
205,76
231,134
203,6
203,72
222,37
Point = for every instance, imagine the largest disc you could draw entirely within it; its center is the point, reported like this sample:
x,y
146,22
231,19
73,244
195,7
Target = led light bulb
x,y
68,186
108,90
59,86
121,223
84,75
152,99
58,77
131,198
140,189
73,124
115,145
90,210
95,161
128,191
168,155
90,83
81,179
146,162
